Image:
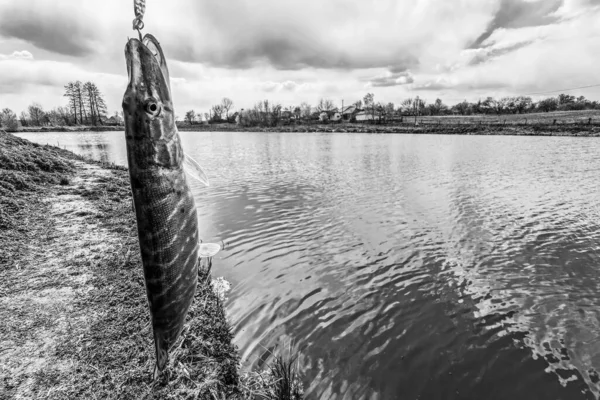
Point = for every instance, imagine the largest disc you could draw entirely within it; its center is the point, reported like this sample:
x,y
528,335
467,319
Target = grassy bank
x,y
558,123
73,302
458,128
76,128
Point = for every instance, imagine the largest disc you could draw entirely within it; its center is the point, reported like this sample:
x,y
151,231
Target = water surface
x,y
405,266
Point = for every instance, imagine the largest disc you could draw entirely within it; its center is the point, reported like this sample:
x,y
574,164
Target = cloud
x,y
286,86
54,27
17,55
486,54
391,79
297,34
519,14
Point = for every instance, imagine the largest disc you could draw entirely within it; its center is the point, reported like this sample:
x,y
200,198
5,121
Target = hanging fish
x,y
164,206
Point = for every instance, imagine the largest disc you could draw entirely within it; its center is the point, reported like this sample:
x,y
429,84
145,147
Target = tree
x,y
8,119
565,99
95,105
369,101
78,95
522,104
389,109
306,110
407,106
437,107
190,117
217,112
462,108
24,119
325,105
70,94
226,105
36,114
547,105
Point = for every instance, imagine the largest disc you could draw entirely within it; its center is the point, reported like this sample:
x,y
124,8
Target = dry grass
x,y
73,300
561,117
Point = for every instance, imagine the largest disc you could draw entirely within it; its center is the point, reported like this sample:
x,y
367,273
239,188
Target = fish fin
x,y
194,170
208,249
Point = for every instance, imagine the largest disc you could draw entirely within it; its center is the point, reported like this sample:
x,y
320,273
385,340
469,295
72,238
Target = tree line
x,y
86,106
268,113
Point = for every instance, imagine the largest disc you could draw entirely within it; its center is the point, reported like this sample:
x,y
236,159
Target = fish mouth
x,y
146,65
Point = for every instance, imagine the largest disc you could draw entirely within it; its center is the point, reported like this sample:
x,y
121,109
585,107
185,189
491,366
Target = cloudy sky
x,y
293,51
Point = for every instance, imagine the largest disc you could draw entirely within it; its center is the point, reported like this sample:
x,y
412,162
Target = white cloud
x,y
17,55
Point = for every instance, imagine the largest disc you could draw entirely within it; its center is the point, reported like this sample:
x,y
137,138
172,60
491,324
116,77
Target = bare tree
x,y
369,101
24,119
71,95
78,94
8,120
226,104
325,105
305,110
36,114
217,112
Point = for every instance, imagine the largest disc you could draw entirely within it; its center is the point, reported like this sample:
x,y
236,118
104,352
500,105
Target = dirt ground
x,y
49,272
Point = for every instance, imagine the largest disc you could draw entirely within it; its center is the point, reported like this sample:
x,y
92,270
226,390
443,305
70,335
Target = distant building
x,y
364,116
113,120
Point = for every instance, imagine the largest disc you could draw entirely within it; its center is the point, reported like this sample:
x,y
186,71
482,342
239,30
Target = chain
x,y
139,8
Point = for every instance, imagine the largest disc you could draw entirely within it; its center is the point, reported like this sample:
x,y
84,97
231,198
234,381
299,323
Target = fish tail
x,y
162,353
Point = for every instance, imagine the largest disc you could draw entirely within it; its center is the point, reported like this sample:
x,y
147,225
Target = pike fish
x,y
163,202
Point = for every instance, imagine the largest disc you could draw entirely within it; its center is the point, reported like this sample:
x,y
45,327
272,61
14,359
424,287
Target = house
x,y
349,112
114,120
365,116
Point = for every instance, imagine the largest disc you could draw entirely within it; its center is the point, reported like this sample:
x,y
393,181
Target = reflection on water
x,y
433,267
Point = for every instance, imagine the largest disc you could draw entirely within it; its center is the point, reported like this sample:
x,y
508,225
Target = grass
x,y
280,381
73,300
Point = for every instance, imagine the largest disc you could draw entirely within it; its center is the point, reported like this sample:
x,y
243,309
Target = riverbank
x,y
73,301
459,128
77,128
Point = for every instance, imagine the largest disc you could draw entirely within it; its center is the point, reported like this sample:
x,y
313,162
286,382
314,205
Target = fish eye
x,y
152,107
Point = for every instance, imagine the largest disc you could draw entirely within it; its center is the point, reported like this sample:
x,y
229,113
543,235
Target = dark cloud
x,y
392,79
487,55
520,14
48,28
287,52
238,34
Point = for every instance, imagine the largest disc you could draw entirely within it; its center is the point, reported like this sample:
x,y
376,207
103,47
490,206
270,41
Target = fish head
x,y
147,104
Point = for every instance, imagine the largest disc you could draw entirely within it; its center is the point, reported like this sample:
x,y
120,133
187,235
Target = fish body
x,y
164,206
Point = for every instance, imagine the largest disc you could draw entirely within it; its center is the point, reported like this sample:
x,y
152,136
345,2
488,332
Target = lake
x,y
404,266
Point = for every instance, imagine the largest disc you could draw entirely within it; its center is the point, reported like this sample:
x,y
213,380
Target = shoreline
x,y
481,129
73,302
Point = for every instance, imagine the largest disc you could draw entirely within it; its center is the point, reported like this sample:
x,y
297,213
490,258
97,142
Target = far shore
x,y
559,123
465,128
